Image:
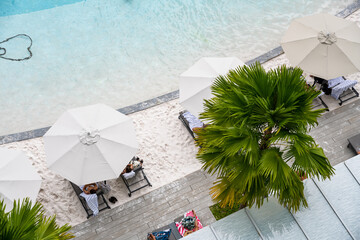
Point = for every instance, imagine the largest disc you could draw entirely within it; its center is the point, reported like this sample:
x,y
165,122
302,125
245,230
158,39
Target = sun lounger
x,y
330,83
102,203
335,81
342,91
320,102
190,121
318,80
181,228
327,85
175,235
137,182
339,88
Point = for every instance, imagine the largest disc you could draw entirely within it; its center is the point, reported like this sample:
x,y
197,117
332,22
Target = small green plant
x,y
28,222
221,212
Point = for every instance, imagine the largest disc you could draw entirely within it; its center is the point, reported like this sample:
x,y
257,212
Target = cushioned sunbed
x,y
101,200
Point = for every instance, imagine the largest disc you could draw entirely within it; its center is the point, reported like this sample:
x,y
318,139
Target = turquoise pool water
x,y
12,7
122,52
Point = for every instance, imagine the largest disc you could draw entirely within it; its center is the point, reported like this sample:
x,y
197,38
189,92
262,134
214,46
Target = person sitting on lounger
x,y
90,188
128,172
89,193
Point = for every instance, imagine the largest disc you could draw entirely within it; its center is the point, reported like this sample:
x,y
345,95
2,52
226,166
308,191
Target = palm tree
x,y
25,221
257,140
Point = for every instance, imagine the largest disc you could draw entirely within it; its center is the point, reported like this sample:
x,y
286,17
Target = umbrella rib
x,y
198,92
350,62
22,180
112,168
64,153
309,27
349,41
106,139
73,116
65,135
305,58
207,78
115,124
298,40
306,26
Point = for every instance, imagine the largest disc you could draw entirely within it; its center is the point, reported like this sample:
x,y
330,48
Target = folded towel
x,y
129,175
342,87
92,202
335,81
193,121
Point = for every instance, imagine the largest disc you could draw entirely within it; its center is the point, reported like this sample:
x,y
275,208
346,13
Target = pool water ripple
x,y
122,52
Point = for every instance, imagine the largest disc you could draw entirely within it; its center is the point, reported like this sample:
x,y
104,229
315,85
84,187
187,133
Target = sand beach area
x,y
166,147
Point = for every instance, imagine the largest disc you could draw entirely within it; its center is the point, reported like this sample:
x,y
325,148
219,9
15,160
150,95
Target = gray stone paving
x,y
334,128
134,219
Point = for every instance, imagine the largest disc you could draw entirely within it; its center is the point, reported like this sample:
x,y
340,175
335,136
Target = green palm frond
x,y
48,230
22,218
313,161
28,222
257,142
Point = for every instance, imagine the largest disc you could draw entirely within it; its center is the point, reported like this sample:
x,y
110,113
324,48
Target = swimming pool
x,y
120,52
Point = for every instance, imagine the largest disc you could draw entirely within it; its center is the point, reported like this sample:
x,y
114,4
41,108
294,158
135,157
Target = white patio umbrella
x,y
90,144
323,45
195,83
18,178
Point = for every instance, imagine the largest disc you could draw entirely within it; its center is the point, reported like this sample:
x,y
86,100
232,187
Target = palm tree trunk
x,y
264,143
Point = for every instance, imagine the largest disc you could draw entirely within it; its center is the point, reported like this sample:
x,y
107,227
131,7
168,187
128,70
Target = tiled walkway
x,y
134,219
335,128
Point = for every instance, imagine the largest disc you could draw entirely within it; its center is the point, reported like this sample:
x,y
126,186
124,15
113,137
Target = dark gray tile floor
x,y
134,219
335,128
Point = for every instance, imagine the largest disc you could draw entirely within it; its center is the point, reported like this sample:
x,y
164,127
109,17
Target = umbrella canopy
x,y
90,144
195,83
18,178
323,45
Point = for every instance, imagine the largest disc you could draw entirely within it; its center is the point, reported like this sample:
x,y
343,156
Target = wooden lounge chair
x,y
340,89
137,182
101,199
186,123
318,101
344,91
183,116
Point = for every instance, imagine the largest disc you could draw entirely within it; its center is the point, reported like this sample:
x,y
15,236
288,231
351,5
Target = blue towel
x,y
342,87
335,81
91,200
193,121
